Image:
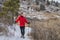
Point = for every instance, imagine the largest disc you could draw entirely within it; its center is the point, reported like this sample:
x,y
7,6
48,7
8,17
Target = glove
x,y
28,23
15,21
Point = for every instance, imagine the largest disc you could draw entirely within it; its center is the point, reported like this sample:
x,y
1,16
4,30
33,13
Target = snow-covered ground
x,y
15,34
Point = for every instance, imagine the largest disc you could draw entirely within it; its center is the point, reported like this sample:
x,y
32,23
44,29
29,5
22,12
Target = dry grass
x,y
46,29
3,31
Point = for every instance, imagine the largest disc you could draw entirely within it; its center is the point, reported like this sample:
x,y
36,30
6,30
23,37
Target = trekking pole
x,y
28,26
15,24
28,29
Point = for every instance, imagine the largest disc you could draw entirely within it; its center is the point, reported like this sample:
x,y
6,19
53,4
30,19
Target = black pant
x,y
22,30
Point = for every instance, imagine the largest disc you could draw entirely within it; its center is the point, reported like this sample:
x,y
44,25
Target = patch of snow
x,y
41,17
15,34
24,6
1,33
57,16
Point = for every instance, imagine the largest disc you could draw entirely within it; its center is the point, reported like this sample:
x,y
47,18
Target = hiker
x,y
21,20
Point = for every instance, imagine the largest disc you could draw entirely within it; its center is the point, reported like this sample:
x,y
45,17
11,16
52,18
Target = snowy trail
x,y
15,35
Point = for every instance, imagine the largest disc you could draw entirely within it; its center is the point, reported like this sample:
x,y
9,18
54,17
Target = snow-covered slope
x,y
15,34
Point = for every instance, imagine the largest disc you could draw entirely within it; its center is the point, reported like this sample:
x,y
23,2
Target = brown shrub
x,y
3,31
46,29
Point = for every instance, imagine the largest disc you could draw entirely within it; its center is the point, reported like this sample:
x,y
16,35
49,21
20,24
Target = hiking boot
x,y
23,37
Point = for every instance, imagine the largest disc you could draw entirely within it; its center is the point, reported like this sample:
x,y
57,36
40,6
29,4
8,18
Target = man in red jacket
x,y
22,20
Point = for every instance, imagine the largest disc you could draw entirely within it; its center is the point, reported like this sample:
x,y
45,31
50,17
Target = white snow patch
x,y
15,34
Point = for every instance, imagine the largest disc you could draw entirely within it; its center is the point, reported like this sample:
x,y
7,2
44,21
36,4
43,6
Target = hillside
x,y
44,20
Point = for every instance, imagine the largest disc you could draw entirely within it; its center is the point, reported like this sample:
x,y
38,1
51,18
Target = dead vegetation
x,y
3,30
46,29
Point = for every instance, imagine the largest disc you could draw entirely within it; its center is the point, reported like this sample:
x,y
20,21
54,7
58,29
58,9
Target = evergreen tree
x,y
10,7
37,2
56,4
42,7
48,2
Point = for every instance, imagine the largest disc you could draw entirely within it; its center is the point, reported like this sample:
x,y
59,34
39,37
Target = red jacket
x,y
22,20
